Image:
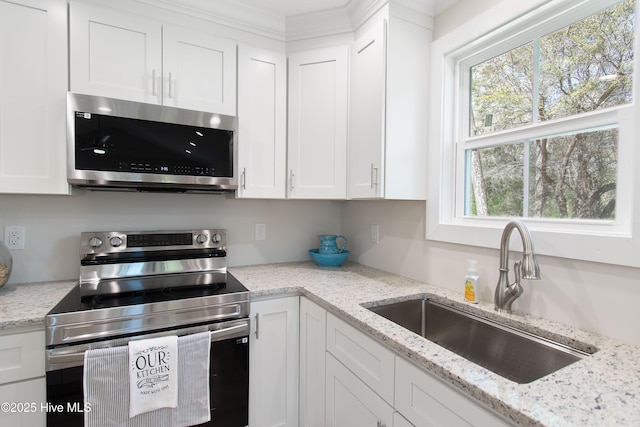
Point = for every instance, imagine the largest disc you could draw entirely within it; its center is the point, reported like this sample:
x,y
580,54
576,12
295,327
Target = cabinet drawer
x,y
350,402
426,401
21,356
367,359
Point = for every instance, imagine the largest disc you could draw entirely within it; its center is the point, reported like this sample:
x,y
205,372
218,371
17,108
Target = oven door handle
x,y
64,357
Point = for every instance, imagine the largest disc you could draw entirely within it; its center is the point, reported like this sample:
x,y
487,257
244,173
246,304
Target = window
x,y
538,122
586,66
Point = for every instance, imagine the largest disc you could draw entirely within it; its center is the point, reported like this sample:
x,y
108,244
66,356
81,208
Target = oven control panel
x,y
105,242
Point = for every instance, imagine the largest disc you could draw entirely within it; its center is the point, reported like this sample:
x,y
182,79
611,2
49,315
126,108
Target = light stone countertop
x,y
600,390
24,305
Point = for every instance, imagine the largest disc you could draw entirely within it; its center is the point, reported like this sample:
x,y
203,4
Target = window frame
x,y
613,242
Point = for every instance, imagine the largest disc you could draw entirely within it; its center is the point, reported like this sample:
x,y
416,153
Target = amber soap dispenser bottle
x,y
471,282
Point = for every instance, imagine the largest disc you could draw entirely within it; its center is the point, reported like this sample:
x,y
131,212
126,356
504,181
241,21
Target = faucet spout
x,y
528,268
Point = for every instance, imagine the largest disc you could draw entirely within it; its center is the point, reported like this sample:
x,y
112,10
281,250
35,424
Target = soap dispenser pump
x,y
472,282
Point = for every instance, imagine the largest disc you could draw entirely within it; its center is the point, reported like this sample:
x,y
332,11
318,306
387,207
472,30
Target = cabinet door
x,y
350,403
29,397
199,71
367,118
115,54
318,111
273,369
262,118
400,421
313,323
33,87
426,401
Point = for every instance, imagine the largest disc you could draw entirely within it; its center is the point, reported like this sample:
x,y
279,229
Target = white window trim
x,y
599,241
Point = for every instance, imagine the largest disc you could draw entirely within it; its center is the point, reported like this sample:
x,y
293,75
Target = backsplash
x,y
53,225
591,296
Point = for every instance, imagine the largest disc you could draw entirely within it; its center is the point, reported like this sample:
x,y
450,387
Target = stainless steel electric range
x,y
147,284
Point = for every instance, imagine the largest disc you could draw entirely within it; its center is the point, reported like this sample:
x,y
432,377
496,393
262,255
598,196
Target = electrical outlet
x,y
261,231
375,233
14,237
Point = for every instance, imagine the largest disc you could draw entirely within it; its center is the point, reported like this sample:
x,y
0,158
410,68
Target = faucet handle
x,y
515,288
517,270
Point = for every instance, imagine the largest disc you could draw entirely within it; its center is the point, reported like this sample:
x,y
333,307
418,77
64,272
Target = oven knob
x,y
216,238
115,241
201,239
95,242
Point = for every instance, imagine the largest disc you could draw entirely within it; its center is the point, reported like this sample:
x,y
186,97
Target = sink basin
x,y
511,353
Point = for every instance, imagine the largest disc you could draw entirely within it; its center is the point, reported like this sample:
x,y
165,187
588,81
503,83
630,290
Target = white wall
x,y
592,296
596,297
54,223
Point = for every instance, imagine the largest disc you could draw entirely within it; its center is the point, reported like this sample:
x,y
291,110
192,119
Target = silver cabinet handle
x,y
244,178
374,176
291,180
257,326
154,91
170,94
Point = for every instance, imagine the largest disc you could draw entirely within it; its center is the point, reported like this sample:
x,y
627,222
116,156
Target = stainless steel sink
x,y
511,353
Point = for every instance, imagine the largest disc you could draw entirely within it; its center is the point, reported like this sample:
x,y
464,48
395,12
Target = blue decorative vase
x,y
329,244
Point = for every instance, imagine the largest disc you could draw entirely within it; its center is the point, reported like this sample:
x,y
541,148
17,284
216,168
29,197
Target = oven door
x,y
228,374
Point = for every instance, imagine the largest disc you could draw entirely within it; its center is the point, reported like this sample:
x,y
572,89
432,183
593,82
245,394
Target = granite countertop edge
x,y
600,390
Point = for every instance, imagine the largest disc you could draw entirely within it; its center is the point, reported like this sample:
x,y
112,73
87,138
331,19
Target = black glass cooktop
x,y
184,286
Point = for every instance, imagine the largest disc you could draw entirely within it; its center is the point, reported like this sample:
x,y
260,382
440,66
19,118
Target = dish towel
x,y
153,374
106,387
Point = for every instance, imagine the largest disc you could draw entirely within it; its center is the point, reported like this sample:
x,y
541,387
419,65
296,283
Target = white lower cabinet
x,y
313,327
400,421
350,403
427,401
273,363
369,360
22,381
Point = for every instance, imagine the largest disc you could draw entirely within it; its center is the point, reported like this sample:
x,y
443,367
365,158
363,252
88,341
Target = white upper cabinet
x,y
318,113
115,54
126,56
388,106
198,71
33,86
367,123
262,121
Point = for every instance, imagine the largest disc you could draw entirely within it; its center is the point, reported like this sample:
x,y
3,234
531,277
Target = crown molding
x,y
257,21
230,14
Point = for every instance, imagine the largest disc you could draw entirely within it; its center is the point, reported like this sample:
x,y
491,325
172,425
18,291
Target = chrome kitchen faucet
x,y
528,268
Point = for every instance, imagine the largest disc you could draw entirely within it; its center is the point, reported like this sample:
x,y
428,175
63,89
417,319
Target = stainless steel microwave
x,y
123,145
